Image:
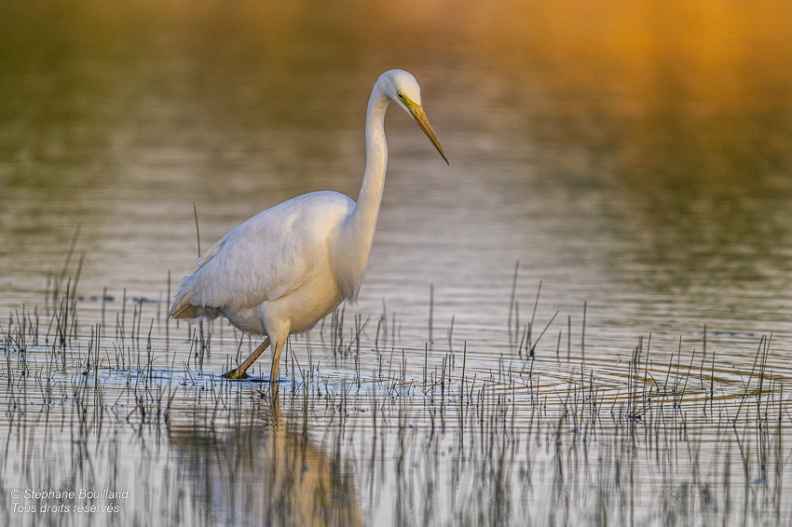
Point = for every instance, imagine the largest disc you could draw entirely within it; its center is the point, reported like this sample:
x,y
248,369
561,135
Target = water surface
x,y
631,165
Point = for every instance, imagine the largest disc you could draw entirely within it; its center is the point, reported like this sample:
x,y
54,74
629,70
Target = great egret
x,y
286,268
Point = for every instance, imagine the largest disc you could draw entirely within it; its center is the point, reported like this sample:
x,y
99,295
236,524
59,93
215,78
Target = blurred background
x,y
636,158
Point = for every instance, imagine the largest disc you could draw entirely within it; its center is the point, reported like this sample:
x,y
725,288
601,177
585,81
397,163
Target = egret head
x,y
402,88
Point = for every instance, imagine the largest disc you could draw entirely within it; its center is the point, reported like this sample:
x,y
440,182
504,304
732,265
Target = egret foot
x,y
239,371
235,374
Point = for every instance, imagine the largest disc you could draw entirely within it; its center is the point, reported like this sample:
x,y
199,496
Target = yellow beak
x,y
420,118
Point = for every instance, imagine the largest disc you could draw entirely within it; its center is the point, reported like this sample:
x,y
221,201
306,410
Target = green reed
x,y
376,429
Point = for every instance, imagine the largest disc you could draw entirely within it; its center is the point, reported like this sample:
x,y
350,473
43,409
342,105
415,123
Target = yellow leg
x,y
239,372
276,360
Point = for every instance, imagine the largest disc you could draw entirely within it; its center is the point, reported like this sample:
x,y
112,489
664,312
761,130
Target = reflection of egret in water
x,y
257,471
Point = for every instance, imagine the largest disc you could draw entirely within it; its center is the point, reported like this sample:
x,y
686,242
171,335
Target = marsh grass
x,y
106,393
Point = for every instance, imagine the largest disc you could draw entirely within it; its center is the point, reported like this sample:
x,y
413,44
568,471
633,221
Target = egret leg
x,y
276,360
239,371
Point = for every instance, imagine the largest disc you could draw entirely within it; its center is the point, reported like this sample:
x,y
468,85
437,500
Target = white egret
x,y
286,268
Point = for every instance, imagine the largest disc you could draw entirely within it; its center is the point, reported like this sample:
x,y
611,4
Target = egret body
x,y
286,268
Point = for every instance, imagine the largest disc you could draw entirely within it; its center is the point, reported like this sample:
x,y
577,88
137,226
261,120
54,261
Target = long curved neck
x,y
364,218
350,251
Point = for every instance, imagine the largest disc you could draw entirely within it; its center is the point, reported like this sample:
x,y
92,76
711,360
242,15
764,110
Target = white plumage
x,y
286,268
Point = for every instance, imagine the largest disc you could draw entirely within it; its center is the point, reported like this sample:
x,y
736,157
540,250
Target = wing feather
x,y
264,258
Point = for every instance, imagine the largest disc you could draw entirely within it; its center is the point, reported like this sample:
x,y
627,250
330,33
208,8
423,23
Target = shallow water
x,y
630,171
